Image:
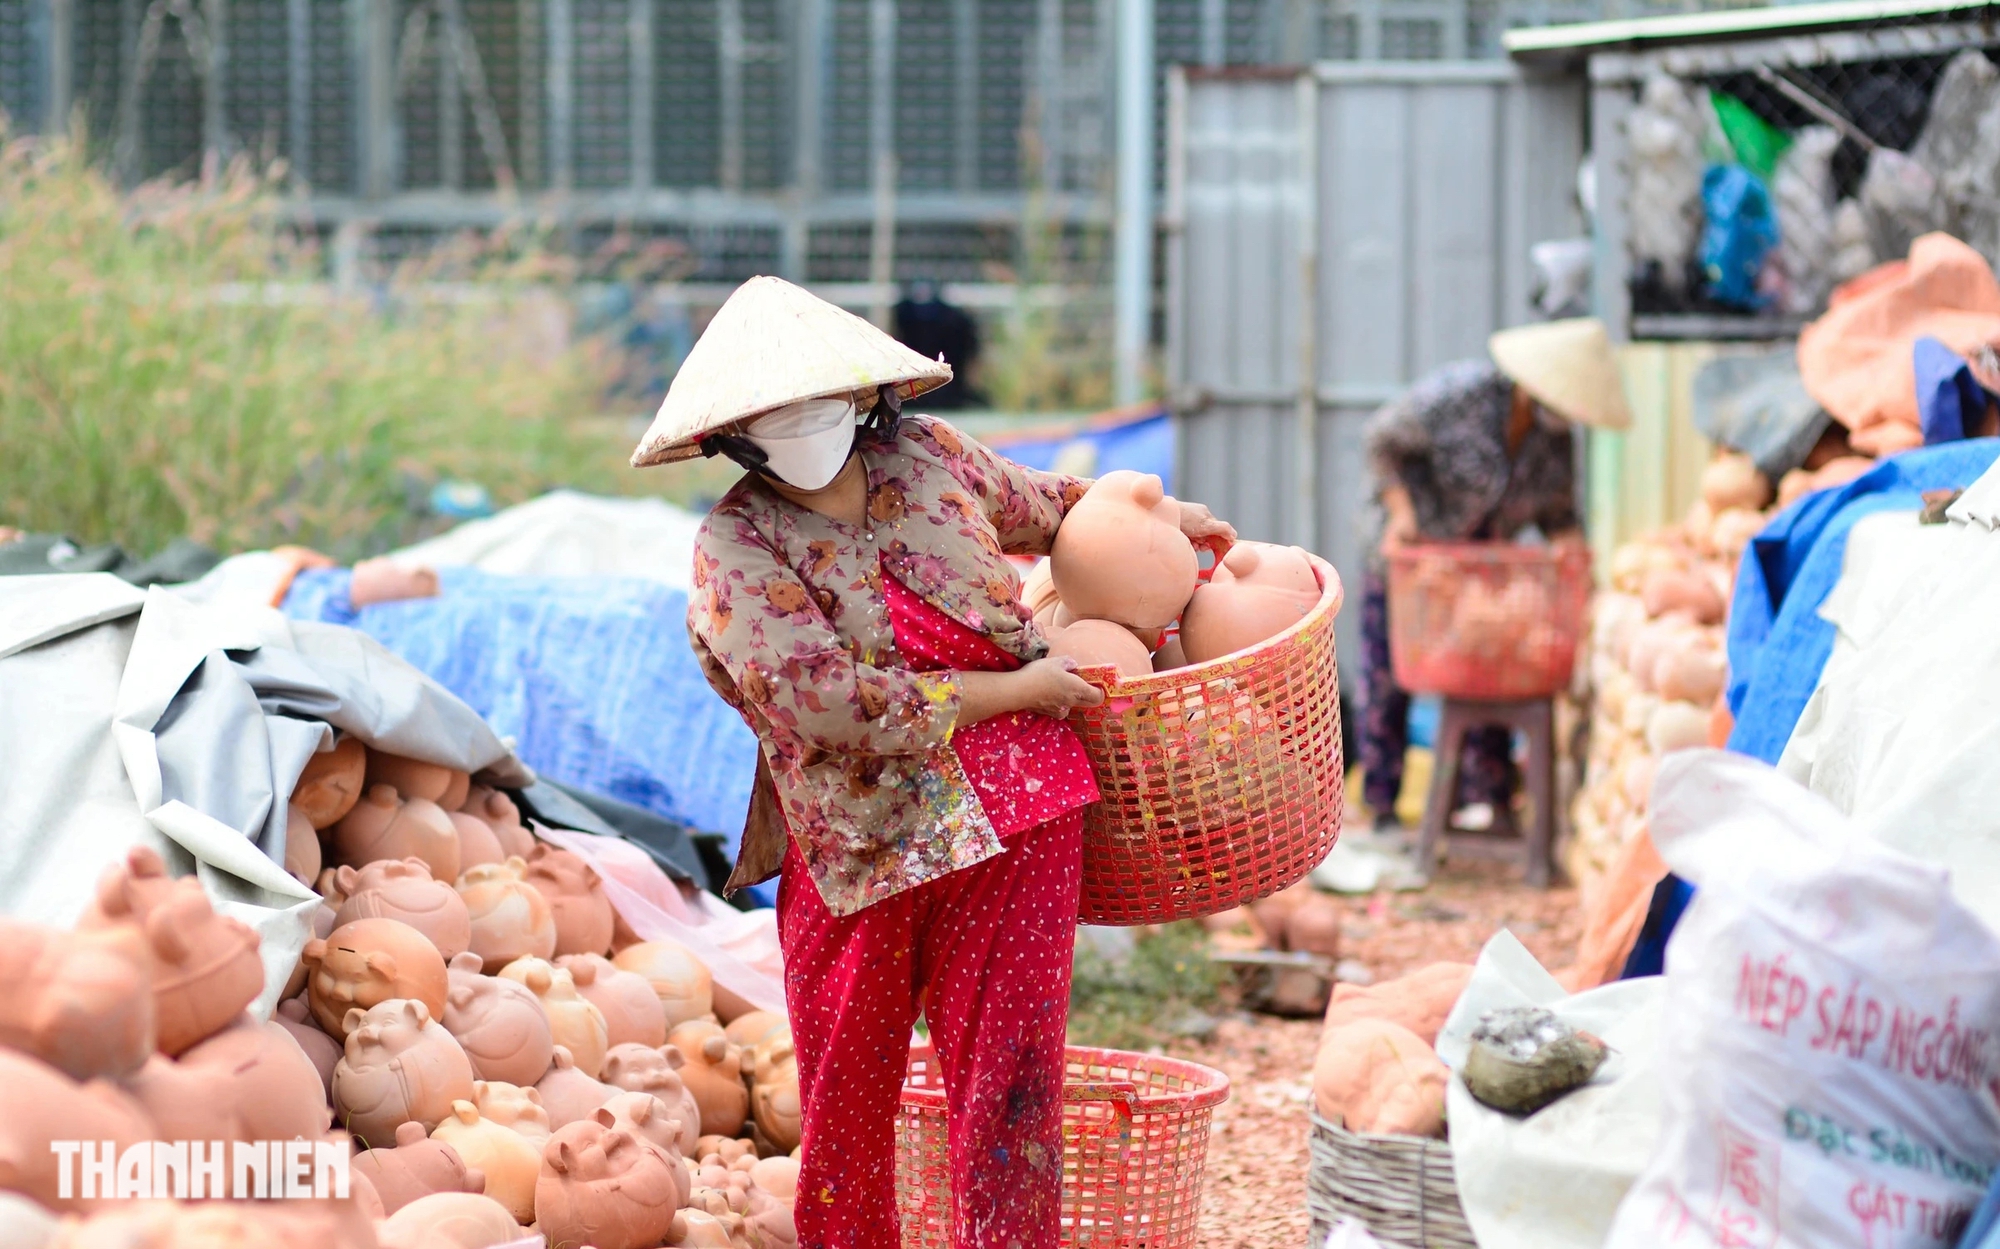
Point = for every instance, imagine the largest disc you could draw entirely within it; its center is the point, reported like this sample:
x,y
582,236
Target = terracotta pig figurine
x,y
567,1094
250,1082
39,1104
514,1107
400,1066
601,1186
1258,591
632,1011
302,849
637,1069
81,1001
646,1117
403,889
413,778
510,919
510,1162
206,969
573,1021
499,1023
415,1167
369,961
383,825
774,1091
713,1073
321,1050
331,783
477,843
450,1221
679,979
499,813
1120,554
572,890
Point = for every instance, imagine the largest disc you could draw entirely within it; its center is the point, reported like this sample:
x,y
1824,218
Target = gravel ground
x,y
1254,1195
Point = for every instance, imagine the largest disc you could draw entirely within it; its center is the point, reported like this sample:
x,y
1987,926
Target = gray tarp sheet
x,y
132,717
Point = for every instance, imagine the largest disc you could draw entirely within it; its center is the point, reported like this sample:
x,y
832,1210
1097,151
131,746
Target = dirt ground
x,y
1254,1194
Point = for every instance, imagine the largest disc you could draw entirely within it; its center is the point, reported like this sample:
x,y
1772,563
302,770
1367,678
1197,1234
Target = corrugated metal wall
x,y
1405,197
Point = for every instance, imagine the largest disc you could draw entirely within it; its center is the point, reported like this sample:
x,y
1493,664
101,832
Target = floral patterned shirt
x,y
790,621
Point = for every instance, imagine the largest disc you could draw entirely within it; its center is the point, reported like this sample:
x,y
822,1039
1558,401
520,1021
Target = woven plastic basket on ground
x,y
1486,620
1135,1139
1402,1188
1222,782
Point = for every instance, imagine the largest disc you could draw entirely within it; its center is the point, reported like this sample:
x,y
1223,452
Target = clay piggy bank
x,y
1038,590
1258,591
567,1094
573,1022
415,1167
774,1092
302,852
1120,554
331,783
250,1082
726,1150
499,1023
80,1001
404,889
778,1177
413,778
698,1229
510,1162
647,1117
601,1186
679,979
632,1011
477,843
573,892
637,1069
1100,643
500,814
39,1104
713,1073
383,825
512,1106
450,1221
510,919
400,1066
205,966
750,1029
321,1050
368,961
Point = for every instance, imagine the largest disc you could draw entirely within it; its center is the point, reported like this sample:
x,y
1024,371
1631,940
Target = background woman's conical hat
x,y
771,344
1569,367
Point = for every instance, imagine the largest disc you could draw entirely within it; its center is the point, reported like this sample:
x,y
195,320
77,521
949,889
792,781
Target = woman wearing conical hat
x,y
1478,450
918,794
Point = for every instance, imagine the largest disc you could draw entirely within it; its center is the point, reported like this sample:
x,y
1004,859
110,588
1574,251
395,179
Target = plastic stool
x,y
1535,719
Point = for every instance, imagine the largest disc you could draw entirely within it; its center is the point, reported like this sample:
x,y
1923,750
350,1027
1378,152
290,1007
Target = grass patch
x,y
1145,998
171,364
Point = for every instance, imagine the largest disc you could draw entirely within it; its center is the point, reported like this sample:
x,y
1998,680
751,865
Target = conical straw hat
x,y
1569,367
769,345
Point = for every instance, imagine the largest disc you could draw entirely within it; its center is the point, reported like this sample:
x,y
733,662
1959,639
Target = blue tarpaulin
x,y
592,677
1143,443
1777,642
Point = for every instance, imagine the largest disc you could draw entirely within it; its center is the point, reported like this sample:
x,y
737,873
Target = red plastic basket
x,y
1135,1140
1486,620
1222,782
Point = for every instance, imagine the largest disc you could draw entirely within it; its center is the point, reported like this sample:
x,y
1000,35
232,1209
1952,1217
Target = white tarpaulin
x,y
133,717
1553,1179
567,534
1900,735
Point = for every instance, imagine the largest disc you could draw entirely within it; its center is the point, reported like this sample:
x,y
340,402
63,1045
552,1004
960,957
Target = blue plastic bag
x,y
1741,230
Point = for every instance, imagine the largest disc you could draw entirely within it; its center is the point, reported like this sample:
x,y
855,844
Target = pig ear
x,y
561,1058
344,879
465,1112
382,963
314,953
113,898
460,997
561,1156
538,978
716,1048
582,971
603,1116
467,962
352,1021
410,1134
674,1057
416,1012
533,1094
164,934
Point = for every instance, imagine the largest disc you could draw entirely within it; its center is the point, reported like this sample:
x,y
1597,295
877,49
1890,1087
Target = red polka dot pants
x,y
985,952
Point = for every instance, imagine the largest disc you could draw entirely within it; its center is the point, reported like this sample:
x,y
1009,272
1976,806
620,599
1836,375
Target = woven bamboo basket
x,y
1222,782
1135,1131
1402,1187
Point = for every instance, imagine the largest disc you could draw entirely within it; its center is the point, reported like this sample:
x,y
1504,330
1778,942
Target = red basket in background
x,y
1486,620
1222,782
1134,1139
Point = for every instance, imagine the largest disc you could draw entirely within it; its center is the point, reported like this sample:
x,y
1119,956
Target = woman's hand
x,y
1202,528
1048,686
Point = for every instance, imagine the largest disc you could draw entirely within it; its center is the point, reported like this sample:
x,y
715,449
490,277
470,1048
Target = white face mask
x,y
805,444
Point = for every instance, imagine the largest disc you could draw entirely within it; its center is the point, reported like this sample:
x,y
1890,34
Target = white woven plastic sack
x,y
1831,1037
